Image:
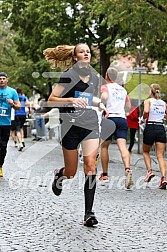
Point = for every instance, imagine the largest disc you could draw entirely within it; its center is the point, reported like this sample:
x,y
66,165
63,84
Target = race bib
x,y
86,96
4,111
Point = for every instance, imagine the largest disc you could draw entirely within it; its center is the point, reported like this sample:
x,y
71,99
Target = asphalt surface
x,y
33,219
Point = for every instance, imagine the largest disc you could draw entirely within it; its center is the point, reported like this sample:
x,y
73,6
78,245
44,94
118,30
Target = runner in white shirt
x,y
115,97
155,110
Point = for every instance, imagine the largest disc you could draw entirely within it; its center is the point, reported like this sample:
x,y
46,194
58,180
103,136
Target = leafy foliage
x,y
36,25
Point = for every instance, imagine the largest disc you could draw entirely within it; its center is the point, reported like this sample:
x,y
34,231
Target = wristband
x,y
142,120
101,107
99,104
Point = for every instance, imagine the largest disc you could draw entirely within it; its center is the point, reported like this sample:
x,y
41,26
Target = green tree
x,y
39,25
140,25
10,61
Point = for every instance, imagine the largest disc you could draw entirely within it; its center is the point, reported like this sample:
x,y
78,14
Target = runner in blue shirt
x,y
8,99
20,118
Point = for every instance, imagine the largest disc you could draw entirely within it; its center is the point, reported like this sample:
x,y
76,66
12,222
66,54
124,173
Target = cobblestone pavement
x,y
33,219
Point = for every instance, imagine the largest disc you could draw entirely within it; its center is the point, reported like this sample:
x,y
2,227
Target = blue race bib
x,y
86,96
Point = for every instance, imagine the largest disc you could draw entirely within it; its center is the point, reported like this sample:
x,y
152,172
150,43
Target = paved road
x,y
33,219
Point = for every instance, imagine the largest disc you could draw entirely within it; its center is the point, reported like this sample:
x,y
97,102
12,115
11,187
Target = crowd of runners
x,y
75,95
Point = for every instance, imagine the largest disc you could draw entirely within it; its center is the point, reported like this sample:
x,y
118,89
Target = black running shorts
x,y
154,133
76,135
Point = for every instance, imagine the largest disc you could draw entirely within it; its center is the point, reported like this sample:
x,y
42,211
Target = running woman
x,y
79,122
155,110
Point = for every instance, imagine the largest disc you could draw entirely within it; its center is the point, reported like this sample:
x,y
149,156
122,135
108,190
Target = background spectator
x,y
133,125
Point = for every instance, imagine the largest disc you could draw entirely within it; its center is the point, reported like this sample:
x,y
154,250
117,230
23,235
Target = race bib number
x,y
3,111
86,96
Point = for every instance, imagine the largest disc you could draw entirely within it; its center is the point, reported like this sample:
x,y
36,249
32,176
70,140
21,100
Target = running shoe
x,y
1,172
163,183
20,147
90,219
57,182
23,143
149,175
128,179
104,178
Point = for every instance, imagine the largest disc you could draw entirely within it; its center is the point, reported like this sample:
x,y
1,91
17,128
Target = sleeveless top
x,y
22,110
116,99
75,87
157,110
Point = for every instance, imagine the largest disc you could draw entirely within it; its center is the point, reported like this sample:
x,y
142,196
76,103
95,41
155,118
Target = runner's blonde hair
x,y
156,90
60,56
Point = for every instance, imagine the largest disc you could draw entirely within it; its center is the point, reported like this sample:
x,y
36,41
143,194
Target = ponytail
x,y
156,90
59,56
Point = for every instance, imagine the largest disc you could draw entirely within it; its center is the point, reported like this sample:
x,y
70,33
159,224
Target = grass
x,y
146,79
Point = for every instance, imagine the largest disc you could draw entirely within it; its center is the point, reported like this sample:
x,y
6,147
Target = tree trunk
x,y
104,60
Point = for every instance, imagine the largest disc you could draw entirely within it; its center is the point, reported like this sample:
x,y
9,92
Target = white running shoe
x,y
20,147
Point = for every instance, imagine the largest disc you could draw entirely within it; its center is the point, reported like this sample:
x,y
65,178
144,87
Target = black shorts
x,y
13,125
78,126
154,133
19,121
76,135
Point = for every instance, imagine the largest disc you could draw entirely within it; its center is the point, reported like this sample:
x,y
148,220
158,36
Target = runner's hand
x,y
10,102
79,102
